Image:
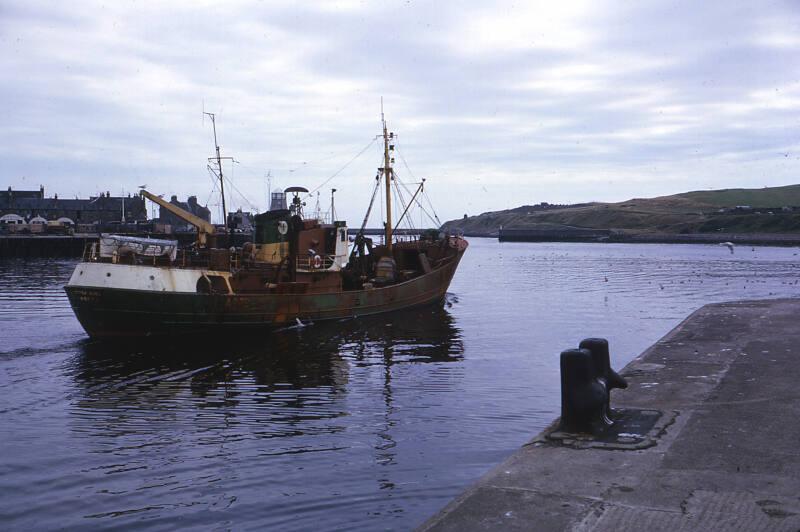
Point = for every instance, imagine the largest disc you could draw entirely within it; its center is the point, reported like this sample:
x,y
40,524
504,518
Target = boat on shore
x,y
297,269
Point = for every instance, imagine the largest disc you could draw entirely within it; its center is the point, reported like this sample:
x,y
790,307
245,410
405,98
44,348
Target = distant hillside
x,y
754,197
764,210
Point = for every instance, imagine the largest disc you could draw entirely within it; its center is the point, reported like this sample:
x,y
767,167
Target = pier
x,y
582,234
721,456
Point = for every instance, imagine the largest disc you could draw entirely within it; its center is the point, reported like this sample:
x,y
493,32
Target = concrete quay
x,y
723,454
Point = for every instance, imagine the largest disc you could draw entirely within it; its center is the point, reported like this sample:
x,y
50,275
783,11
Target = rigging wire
x,y
213,184
435,217
340,170
395,200
407,206
230,182
399,195
304,164
371,202
213,189
404,162
214,175
213,178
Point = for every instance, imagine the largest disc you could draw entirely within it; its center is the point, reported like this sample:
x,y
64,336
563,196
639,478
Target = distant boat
x,y
295,271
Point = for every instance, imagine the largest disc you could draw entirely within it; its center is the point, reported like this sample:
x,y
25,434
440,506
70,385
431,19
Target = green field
x,y
755,197
690,212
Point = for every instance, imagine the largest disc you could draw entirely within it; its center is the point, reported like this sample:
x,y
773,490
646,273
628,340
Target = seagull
x,y
729,245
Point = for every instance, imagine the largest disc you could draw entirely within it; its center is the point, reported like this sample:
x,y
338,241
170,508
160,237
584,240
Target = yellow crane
x,y
204,228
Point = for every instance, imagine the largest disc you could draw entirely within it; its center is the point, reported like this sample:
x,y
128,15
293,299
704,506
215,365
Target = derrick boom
x,y
204,228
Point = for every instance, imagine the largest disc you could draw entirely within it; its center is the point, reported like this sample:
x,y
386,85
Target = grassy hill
x,y
691,212
755,197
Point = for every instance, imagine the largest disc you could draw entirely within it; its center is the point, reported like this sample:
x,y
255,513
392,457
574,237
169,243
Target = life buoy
x,y
317,261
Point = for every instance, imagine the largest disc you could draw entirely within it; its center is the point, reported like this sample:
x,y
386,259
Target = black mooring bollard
x,y
584,396
602,364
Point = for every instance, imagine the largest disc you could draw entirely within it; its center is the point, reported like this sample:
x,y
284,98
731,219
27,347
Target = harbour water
x,y
360,424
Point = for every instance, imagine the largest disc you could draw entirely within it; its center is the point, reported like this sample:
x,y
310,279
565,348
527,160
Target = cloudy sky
x,y
496,104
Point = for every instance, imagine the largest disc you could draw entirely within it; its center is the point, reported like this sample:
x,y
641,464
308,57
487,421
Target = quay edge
x,y
726,380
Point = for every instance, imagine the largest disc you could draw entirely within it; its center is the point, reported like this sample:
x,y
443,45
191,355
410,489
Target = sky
x,y
495,104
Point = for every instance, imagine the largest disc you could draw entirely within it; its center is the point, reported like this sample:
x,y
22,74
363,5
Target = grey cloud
x,y
638,99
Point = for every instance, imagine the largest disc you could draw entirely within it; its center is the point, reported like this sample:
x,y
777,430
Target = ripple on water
x,y
349,425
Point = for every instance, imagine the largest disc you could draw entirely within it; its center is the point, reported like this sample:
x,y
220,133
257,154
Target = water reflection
x,y
359,425
170,427
284,383
317,355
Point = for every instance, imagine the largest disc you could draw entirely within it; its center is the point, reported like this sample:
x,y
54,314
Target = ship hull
x,y
105,310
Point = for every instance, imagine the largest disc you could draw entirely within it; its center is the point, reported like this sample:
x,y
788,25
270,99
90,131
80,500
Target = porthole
x,y
108,274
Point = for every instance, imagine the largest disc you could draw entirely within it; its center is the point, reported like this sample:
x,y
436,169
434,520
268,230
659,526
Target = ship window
x,y
343,235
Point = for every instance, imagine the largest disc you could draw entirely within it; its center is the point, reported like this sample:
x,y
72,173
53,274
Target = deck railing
x,y
184,259
316,262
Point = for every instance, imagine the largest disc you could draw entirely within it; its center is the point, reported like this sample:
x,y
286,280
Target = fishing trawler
x,y
297,269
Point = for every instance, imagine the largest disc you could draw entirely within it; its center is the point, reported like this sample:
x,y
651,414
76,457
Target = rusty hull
x,y
105,312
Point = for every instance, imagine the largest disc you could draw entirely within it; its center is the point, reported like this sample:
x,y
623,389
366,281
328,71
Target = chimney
x,y
193,200
41,191
174,199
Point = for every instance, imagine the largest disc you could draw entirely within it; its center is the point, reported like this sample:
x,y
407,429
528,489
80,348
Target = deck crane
x,y
204,228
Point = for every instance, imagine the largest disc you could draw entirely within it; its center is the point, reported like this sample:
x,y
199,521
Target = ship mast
x,y
221,179
387,172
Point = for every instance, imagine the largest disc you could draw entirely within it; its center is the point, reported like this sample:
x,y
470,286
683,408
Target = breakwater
x,y
562,234
578,234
